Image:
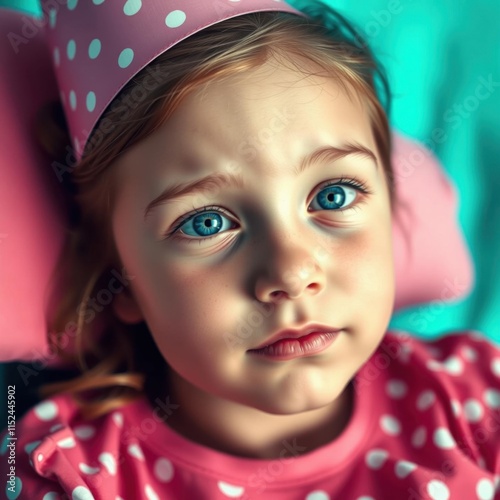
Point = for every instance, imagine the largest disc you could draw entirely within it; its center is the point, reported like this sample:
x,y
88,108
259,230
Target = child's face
x,y
278,255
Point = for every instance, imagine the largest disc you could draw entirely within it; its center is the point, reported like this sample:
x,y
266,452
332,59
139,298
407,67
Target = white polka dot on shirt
x,y
403,468
455,407
495,366
51,495
396,389
318,495
491,398
469,353
453,365
67,442
419,437
434,365
496,481
230,490
88,469
425,400
109,462
405,354
150,493
117,418
437,490
485,489
390,425
443,439
164,470
376,458
84,431
135,450
47,410
81,493
473,410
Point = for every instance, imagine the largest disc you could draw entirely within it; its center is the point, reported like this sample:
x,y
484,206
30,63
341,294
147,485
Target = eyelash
x,y
353,182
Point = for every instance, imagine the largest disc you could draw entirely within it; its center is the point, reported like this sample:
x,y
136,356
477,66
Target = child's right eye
x,y
206,224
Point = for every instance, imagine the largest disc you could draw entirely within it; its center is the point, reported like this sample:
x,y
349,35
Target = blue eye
x,y
334,197
206,224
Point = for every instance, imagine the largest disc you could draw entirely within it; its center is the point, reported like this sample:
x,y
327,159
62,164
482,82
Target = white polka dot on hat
x,y
98,46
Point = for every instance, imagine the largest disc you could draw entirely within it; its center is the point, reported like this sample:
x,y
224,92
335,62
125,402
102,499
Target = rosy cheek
x,y
358,259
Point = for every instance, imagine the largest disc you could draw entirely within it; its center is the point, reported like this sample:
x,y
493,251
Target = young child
x,y
234,202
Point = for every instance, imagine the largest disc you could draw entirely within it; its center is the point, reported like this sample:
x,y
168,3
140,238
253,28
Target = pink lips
x,y
290,344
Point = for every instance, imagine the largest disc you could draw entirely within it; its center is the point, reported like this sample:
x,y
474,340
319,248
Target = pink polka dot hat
x,y
97,46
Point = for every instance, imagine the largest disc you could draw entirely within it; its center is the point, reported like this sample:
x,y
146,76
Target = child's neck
x,y
246,432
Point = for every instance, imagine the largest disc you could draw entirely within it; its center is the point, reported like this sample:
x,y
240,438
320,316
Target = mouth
x,y
290,344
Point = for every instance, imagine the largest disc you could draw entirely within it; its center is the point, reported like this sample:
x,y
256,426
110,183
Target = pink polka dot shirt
x,y
425,425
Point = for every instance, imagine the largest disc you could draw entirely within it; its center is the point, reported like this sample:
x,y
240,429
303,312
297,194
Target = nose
x,y
290,270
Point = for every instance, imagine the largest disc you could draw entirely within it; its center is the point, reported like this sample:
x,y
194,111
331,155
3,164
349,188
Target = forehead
x,y
270,117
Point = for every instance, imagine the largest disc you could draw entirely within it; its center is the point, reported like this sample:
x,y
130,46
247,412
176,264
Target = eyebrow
x,y
332,154
220,180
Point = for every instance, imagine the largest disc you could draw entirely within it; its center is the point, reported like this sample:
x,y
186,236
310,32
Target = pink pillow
x,y
432,260
31,228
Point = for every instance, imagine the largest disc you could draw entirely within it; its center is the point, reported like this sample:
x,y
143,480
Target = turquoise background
x,y
435,53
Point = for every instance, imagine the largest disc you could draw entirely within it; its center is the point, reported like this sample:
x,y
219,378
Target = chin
x,y
294,404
